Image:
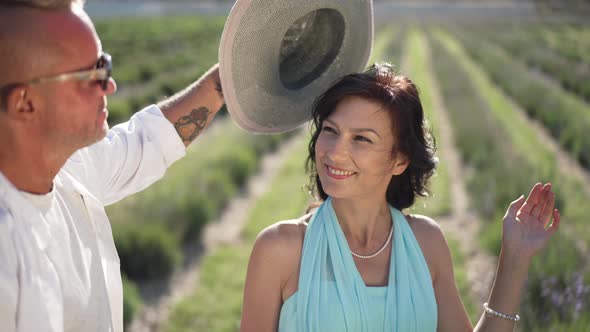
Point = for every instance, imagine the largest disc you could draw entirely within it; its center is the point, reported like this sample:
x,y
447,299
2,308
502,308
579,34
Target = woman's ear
x,y
400,163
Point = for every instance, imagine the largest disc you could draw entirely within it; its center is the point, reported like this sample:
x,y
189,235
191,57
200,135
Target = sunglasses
x,y
101,74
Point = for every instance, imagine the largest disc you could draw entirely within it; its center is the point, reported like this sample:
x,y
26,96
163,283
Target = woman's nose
x,y
337,149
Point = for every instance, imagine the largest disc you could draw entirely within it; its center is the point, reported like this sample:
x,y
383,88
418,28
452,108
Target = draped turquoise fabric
x,y
332,295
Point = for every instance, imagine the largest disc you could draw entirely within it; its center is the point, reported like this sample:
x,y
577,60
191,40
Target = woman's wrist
x,y
514,261
497,314
509,282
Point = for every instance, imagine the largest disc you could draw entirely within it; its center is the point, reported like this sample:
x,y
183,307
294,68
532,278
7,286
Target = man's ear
x,y
400,164
19,104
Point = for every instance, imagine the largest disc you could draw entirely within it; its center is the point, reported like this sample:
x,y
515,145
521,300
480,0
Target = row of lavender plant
x,y
570,186
519,40
501,172
155,57
567,118
570,40
146,47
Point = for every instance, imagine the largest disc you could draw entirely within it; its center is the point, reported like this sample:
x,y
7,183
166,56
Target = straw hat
x,y
277,56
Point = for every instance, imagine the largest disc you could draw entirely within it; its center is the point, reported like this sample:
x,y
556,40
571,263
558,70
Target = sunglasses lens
x,y
104,62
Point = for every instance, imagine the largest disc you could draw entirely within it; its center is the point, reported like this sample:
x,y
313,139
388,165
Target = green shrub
x,y
196,213
146,251
237,166
119,111
132,301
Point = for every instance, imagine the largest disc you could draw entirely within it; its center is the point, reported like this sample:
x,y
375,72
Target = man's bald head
x,y
37,35
40,38
25,41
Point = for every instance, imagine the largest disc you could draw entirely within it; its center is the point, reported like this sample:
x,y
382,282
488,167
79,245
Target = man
x,y
60,164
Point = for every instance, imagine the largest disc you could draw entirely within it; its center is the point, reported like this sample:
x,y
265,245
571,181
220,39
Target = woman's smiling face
x,y
354,151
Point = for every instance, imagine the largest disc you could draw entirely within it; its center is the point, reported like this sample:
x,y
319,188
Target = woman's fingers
x,y
532,199
515,206
537,210
548,209
556,221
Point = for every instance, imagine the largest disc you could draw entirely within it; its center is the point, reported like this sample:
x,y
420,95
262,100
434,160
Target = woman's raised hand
x,y
528,225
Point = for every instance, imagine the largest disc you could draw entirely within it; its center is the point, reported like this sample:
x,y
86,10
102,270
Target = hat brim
x,y
258,96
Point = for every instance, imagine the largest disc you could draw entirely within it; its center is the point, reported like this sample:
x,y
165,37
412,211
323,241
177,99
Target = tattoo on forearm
x,y
190,126
218,89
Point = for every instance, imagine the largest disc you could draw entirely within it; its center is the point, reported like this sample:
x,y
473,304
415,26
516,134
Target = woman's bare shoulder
x,y
424,226
276,255
284,233
282,241
274,259
431,239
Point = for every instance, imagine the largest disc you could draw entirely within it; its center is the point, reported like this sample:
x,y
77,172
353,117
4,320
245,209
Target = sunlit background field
x,y
506,87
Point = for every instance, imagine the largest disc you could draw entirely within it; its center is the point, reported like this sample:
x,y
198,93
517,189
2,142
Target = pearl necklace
x,y
378,251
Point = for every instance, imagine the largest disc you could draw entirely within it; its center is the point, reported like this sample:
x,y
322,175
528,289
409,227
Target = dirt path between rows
x,y
161,296
463,224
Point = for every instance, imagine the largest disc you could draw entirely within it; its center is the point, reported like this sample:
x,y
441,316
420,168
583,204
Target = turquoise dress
x,y
332,295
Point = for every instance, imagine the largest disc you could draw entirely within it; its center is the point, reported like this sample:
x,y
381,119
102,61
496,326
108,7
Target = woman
x,y
357,263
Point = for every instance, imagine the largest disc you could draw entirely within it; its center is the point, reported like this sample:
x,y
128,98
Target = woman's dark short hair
x,y
399,97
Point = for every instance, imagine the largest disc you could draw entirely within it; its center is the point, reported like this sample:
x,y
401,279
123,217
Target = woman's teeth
x,y
339,172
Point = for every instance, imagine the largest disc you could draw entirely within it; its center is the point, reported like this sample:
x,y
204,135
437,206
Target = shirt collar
x,y
23,211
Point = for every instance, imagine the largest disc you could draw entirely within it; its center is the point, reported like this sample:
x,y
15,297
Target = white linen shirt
x,y
33,281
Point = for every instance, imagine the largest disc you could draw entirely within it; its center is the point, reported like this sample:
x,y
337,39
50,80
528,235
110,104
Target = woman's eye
x,y
328,129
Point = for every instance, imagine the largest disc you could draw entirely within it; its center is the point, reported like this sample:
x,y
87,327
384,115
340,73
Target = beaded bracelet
x,y
493,313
